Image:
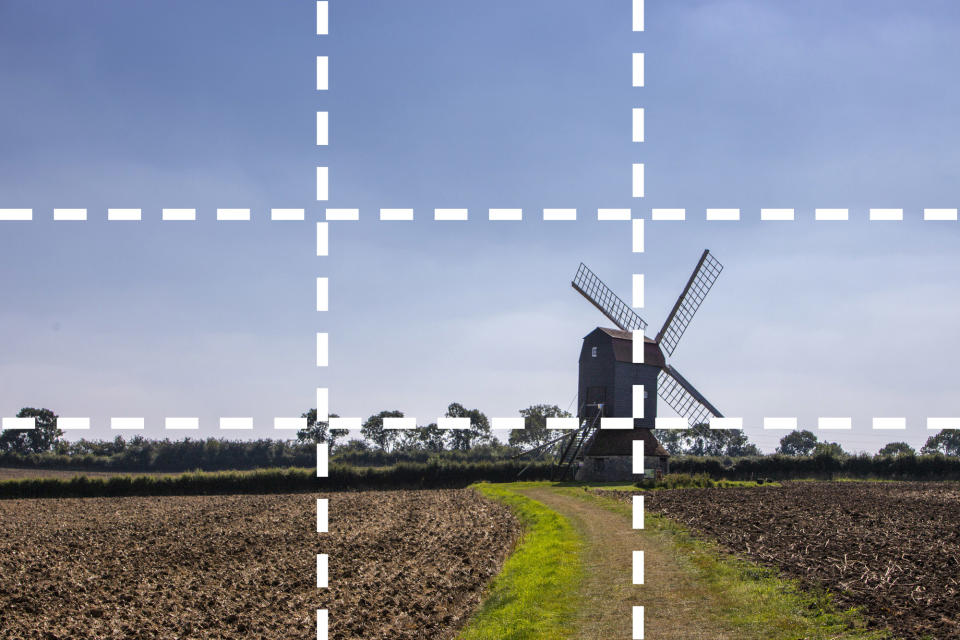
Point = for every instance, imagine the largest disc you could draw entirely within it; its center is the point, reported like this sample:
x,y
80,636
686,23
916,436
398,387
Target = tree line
x,y
379,446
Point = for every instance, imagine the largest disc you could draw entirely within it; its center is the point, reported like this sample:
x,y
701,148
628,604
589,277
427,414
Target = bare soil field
x,y
403,564
892,548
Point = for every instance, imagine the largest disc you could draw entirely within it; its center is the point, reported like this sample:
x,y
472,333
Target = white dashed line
x,y
834,423
638,180
234,215
638,236
940,214
776,214
287,214
342,215
289,424
126,424
18,423
835,215
621,215
396,214
889,423
179,215
236,423
668,214
780,423
181,423
124,215
638,63
78,215
723,214
890,215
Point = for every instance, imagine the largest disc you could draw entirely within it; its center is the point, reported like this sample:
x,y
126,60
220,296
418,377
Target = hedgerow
x,y
341,477
780,467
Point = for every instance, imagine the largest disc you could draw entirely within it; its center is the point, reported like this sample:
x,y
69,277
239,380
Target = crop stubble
x,y
403,564
892,548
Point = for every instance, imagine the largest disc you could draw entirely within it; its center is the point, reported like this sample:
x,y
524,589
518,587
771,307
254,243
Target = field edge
x,y
535,595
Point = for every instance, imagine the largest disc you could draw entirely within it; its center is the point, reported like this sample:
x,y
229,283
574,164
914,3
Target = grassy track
x,y
535,596
750,597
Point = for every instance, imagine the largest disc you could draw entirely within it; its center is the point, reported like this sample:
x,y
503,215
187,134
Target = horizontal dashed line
x,y
668,214
776,214
166,214
886,214
614,214
460,214
181,215
505,423
233,214
396,214
70,214
822,214
723,214
940,214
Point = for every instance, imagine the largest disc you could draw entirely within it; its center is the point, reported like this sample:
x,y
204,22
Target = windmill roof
x,y
620,334
622,343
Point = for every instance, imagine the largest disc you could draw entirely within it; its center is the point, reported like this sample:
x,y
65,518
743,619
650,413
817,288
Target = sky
x,y
432,103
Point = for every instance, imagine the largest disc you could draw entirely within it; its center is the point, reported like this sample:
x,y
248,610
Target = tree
x,y
701,440
897,449
798,443
829,449
535,432
319,432
374,431
432,437
43,437
671,439
946,442
478,433
739,446
353,446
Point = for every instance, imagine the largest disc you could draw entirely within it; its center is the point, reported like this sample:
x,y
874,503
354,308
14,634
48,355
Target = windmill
x,y
610,367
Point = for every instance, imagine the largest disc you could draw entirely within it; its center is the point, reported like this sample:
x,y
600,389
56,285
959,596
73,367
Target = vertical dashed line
x,y
637,232
323,304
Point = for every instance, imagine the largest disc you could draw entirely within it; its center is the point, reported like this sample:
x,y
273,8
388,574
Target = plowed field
x,y
891,548
403,564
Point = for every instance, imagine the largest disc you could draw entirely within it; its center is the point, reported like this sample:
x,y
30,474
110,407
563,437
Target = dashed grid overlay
x,y
637,176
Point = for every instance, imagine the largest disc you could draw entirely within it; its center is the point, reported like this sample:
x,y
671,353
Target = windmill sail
x,y
699,284
683,398
593,289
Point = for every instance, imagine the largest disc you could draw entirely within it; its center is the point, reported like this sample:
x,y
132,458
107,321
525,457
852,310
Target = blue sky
x,y
496,104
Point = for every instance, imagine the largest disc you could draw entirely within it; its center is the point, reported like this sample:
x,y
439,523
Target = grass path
x,y
571,578
676,606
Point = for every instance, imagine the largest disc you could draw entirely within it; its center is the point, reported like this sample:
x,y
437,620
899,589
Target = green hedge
x,y
779,467
341,477
213,454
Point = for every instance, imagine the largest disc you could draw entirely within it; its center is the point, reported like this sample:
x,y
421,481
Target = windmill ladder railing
x,y
573,448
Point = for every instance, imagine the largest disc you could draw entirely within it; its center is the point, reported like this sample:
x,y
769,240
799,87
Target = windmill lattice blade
x,y
699,284
603,298
683,398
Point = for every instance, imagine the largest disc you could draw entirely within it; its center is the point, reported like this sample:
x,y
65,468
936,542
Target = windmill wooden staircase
x,y
571,452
